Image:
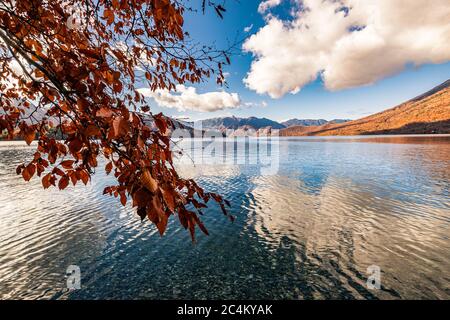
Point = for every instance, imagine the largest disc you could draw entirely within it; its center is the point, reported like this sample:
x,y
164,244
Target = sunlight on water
x,y
334,207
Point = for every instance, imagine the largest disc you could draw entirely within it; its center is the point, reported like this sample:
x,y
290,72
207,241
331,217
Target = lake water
x,y
310,230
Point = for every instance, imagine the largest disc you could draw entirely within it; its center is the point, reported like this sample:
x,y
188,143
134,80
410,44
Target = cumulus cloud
x,y
187,98
267,4
348,43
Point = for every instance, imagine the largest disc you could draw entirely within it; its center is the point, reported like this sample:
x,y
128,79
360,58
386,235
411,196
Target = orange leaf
x,y
29,136
202,227
28,172
148,181
84,177
104,113
46,180
63,182
121,127
75,145
141,197
169,198
123,198
108,15
118,86
67,164
73,178
58,171
108,167
92,130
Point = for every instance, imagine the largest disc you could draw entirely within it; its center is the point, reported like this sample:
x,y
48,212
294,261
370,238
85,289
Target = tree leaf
x,y
29,136
28,172
104,113
46,180
67,164
108,167
108,15
63,182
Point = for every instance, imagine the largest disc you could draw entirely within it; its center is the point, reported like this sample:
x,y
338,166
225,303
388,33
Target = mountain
x,y
235,123
303,122
241,126
310,122
427,113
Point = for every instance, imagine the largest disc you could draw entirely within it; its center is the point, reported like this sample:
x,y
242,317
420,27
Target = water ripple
x,y
308,232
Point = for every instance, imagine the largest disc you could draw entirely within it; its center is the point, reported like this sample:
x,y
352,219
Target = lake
x,y
314,227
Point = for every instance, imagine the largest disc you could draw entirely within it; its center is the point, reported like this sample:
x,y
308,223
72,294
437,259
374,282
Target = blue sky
x,y
313,100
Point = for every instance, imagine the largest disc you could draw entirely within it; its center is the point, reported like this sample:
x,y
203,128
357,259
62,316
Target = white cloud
x,y
348,42
261,104
267,4
247,29
187,98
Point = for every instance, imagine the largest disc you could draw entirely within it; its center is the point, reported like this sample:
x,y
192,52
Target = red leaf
x,y
123,198
118,86
148,181
40,169
84,177
28,172
141,197
169,198
63,182
73,178
19,169
29,136
162,224
202,227
108,15
58,171
104,113
191,227
108,167
67,164
92,131
121,127
46,180
75,145
161,123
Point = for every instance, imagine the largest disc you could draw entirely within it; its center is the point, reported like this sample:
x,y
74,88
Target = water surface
x,y
334,207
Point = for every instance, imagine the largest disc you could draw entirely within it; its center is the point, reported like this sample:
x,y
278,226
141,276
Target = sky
x,y
315,59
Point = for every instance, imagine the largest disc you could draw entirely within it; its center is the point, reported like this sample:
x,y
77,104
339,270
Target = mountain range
x,y
310,122
234,124
427,113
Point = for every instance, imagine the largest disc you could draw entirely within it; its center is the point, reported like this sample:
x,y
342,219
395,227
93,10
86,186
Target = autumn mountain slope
x,y
426,114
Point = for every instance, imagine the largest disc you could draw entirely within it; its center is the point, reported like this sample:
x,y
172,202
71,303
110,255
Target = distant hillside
x,y
245,125
310,122
304,122
426,114
235,123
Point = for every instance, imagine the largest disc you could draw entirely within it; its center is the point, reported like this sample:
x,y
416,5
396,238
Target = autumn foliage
x,y
69,74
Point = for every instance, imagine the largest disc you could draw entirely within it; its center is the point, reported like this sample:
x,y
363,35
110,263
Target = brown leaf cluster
x,y
69,71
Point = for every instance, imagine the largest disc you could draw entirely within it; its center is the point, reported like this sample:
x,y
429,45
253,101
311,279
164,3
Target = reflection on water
x,y
335,207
